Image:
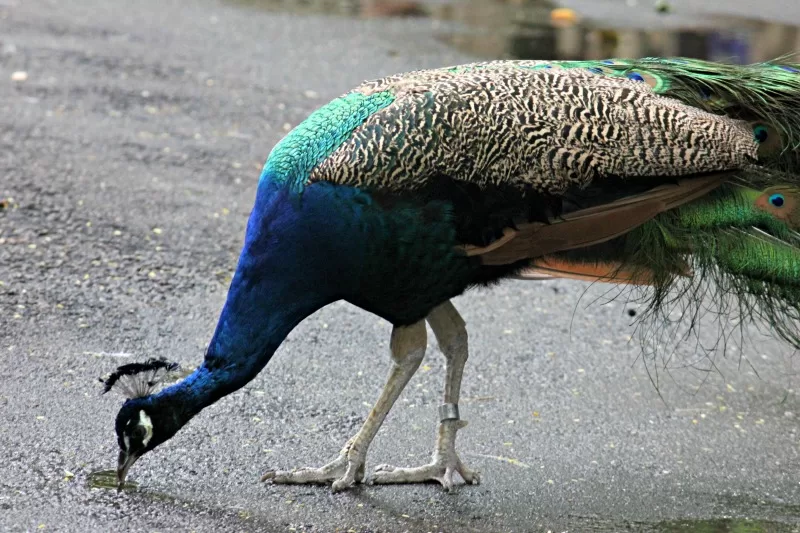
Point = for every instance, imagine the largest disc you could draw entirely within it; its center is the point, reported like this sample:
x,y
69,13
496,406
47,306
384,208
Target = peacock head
x,y
143,422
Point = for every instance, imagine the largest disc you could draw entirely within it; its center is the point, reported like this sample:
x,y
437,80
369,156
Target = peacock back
x,y
548,125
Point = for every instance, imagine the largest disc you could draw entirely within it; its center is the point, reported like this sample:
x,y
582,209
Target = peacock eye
x,y
761,134
635,76
776,200
139,432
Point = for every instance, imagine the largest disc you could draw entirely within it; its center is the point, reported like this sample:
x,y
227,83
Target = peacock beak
x,y
124,463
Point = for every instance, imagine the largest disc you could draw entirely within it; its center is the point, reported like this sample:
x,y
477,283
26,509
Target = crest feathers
x,y
136,380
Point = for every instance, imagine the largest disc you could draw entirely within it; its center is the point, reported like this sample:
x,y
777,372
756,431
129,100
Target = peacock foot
x,y
442,468
343,472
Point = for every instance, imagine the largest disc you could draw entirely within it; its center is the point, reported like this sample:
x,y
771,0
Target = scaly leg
x,y
451,334
408,348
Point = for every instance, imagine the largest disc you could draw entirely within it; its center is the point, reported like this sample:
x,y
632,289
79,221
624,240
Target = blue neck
x,y
285,272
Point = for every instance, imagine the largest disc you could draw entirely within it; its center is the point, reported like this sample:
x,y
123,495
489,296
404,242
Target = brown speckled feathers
x,y
511,123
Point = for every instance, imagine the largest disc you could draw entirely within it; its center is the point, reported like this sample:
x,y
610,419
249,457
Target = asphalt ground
x,y
128,163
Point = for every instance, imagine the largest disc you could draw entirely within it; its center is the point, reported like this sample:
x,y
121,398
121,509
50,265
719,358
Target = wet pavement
x,y
129,153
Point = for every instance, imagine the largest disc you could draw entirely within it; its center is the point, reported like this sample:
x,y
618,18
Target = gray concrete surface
x,y
128,160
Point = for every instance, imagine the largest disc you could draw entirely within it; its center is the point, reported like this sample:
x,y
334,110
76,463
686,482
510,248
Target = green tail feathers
x,y
738,245
746,243
735,245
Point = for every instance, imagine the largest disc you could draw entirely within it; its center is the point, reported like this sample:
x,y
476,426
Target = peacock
x,y
677,177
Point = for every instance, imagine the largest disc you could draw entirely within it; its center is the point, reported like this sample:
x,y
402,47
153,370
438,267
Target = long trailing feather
x,y
748,259
592,225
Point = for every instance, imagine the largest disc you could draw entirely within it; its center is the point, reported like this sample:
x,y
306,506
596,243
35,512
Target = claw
x,y
447,480
341,484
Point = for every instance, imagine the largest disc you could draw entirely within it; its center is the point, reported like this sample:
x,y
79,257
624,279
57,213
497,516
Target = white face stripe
x,y
147,424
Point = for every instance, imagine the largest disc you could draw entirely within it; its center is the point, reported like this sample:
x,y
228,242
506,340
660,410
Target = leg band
x,y
448,411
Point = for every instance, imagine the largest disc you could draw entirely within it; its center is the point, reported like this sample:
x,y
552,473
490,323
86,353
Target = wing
x,y
520,124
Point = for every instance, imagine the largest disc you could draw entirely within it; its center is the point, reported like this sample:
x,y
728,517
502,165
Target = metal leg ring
x,y
448,411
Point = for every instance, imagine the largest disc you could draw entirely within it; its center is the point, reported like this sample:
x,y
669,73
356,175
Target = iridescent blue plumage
x,y
336,243
293,158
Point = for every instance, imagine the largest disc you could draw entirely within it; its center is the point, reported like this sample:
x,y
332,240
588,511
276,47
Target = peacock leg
x,y
408,349
451,335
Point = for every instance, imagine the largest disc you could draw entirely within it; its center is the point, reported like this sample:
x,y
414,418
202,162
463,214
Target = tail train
x,y
737,231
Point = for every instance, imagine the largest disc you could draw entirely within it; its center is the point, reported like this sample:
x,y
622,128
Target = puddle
x,y
591,29
723,526
107,479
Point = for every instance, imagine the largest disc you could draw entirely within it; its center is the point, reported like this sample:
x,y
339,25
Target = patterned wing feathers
x,y
541,129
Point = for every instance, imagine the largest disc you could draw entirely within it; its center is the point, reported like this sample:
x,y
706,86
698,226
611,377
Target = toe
x,y
277,476
299,476
393,474
471,477
340,485
280,476
447,480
